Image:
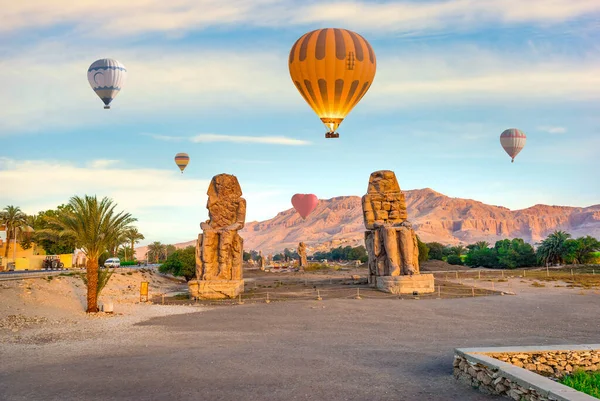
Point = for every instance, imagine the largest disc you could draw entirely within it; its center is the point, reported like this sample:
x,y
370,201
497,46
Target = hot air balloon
x,y
106,77
513,141
332,69
304,204
182,160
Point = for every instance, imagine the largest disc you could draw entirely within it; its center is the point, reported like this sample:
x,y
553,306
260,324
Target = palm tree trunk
x,y
132,250
92,285
8,239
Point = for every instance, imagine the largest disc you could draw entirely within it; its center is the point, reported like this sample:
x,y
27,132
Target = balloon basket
x,y
106,107
332,135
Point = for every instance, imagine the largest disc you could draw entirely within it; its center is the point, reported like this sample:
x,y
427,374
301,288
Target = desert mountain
x,y
435,217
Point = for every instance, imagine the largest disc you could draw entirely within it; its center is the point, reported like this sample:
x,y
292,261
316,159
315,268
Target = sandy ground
x,y
38,311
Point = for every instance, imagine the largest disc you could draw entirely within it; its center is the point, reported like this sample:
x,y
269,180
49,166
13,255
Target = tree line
x,y
557,248
86,223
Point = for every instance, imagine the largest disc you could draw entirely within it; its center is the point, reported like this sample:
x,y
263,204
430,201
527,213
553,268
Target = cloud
x,y
553,130
271,140
100,163
168,206
119,18
220,83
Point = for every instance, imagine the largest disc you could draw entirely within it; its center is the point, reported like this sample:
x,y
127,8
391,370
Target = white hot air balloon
x,y
513,141
107,77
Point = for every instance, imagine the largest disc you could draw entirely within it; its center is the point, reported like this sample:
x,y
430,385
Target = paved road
x,y
305,350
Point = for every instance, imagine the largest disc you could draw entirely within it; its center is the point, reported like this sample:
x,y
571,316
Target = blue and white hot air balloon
x,y
107,77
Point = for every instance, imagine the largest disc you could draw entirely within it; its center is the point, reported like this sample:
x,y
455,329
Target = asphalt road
x,y
303,350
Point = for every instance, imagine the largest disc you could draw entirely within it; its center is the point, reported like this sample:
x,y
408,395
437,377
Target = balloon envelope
x,y
513,141
304,203
107,77
182,160
332,69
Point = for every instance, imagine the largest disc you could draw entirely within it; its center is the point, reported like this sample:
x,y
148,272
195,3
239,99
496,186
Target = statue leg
x,y
199,264
390,242
380,255
208,253
415,261
407,249
225,239
237,257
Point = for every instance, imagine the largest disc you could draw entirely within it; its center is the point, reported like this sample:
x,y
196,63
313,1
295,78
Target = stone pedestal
x,y
215,289
421,283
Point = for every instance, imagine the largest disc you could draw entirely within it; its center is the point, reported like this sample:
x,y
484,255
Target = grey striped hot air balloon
x,y
107,77
513,141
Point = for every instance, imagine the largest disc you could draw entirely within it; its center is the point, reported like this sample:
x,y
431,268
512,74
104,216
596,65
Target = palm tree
x,y
458,250
157,250
13,219
95,227
482,245
552,250
134,236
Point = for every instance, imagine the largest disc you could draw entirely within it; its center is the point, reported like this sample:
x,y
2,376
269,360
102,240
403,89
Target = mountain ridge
x,y
435,217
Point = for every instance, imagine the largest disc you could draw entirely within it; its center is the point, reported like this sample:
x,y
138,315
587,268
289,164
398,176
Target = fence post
x,y
479,275
502,273
163,298
547,271
358,293
457,275
524,273
473,291
439,292
571,273
267,300
594,271
240,302
492,285
318,295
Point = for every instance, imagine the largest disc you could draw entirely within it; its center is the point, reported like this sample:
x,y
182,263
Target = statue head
x,y
383,182
224,186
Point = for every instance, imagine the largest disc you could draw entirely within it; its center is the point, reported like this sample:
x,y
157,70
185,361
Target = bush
x,y
454,260
423,251
181,263
129,263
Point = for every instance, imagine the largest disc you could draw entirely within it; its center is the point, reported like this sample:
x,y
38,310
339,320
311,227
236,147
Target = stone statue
x,y
261,260
302,255
219,249
390,239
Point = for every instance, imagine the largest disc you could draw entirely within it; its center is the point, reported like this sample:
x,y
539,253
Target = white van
x,y
112,262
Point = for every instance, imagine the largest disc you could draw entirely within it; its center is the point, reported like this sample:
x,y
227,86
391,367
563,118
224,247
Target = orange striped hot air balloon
x,y
182,160
332,69
513,141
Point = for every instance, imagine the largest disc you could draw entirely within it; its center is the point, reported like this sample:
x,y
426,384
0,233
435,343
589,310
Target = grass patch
x,y
67,274
586,382
316,266
130,273
182,295
537,284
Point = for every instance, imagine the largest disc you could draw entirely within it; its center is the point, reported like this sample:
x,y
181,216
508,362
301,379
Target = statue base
x,y
215,289
419,283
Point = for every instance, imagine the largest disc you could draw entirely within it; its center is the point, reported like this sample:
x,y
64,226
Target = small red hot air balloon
x,y
513,141
304,203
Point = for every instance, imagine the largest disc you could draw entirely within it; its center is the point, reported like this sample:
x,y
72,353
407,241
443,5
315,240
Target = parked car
x,y
52,262
112,262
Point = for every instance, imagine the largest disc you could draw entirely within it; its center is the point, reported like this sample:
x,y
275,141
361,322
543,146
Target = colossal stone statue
x,y
302,256
390,239
219,249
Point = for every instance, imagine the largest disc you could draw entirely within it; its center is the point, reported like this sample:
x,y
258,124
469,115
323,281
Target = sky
x,y
210,78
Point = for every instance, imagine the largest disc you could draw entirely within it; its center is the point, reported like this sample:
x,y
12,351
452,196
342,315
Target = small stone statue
x,y
302,255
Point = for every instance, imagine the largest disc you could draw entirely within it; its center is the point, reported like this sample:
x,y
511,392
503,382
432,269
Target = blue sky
x,y
210,78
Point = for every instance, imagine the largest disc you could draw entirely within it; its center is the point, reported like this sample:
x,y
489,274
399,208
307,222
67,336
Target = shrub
x,y
454,260
129,263
181,263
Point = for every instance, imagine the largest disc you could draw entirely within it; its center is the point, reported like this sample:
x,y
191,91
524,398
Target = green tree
x,y
423,251
48,238
436,250
181,263
133,236
553,249
246,256
481,257
358,253
14,220
157,251
94,225
454,260
581,250
170,249
458,250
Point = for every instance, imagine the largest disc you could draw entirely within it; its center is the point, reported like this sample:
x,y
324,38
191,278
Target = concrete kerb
x,y
542,385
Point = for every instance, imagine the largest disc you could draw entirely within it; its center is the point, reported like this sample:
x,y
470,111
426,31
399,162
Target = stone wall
x,y
553,363
489,381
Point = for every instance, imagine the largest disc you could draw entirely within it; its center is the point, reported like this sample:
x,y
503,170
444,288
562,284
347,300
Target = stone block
x,y
421,283
215,289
